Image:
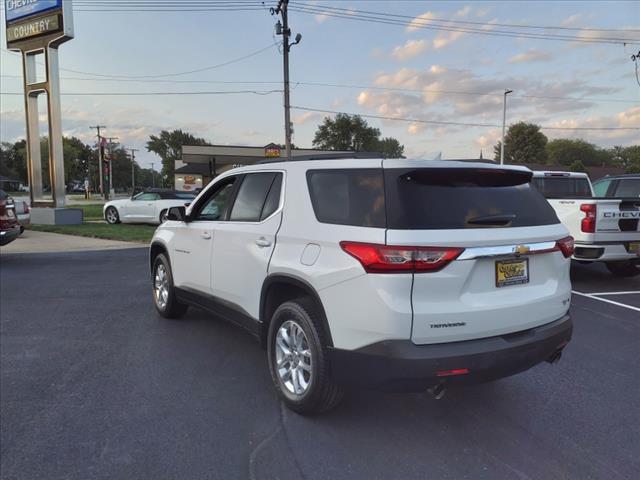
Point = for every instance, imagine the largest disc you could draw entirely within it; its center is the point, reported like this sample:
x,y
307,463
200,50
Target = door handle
x,y
206,235
263,242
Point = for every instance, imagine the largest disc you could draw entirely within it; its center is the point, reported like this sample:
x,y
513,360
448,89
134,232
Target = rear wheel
x,y
624,269
298,360
163,216
164,294
111,215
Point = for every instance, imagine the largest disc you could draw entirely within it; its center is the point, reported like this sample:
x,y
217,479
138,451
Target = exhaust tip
x,y
437,391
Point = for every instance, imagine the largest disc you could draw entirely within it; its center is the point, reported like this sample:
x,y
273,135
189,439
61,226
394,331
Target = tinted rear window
x,y
628,187
348,196
562,187
434,198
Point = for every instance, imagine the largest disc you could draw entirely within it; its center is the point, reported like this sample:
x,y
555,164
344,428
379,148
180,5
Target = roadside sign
x,y
35,24
33,28
17,9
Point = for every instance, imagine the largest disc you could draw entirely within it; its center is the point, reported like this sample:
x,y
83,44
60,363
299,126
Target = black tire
x,y
111,215
163,216
624,269
322,393
169,306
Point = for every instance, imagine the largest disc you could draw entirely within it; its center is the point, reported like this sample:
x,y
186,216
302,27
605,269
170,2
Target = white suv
x,y
400,275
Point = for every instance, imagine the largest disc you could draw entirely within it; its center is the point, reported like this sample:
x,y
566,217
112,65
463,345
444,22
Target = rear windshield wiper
x,y
502,219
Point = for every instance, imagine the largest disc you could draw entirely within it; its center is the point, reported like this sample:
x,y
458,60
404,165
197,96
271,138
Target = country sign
x,y
33,28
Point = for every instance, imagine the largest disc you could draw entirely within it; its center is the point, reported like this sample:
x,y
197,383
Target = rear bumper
x,y
400,365
9,235
605,252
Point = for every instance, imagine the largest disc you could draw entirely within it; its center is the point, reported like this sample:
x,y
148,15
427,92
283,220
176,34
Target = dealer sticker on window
x,y
512,272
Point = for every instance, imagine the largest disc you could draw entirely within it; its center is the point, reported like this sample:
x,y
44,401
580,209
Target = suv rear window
x,y
459,198
562,187
348,196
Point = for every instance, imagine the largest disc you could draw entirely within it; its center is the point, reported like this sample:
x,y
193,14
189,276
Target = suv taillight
x,y
566,246
394,259
588,224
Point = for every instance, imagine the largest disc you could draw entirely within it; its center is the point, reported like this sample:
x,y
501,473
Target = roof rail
x,y
323,156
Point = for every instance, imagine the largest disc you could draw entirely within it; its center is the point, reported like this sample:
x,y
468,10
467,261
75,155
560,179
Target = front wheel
x,y
111,216
164,294
624,269
298,360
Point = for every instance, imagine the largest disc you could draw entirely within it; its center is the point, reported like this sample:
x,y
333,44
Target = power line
x,y
199,70
344,85
125,94
464,124
351,11
385,18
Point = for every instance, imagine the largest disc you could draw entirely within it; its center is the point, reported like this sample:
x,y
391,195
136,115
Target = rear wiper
x,y
502,219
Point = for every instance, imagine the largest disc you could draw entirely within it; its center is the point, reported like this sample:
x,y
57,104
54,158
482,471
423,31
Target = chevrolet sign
x,y
17,9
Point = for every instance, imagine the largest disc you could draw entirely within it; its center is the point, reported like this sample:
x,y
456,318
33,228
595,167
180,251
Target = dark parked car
x,y
9,226
619,186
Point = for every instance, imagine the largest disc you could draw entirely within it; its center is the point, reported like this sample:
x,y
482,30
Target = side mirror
x,y
178,213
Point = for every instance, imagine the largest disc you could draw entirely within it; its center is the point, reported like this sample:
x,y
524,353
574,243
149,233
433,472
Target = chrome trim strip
x,y
503,250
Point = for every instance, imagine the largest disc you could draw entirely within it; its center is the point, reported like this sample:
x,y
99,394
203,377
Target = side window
x,y
147,197
348,197
273,199
600,188
215,207
251,197
628,187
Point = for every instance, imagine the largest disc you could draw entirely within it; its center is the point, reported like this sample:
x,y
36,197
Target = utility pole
x,y
100,152
110,147
133,172
284,30
153,176
504,124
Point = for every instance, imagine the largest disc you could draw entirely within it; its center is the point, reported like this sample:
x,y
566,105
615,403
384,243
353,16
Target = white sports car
x,y
150,206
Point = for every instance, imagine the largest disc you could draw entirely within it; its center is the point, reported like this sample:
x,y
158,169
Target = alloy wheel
x,y
293,358
161,286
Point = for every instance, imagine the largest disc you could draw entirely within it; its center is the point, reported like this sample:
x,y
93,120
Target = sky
x,y
370,68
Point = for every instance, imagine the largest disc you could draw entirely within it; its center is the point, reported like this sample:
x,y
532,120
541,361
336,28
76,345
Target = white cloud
x,y
463,12
444,39
321,17
571,20
410,49
307,117
419,21
531,55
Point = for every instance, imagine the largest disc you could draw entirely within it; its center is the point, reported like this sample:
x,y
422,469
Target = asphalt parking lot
x,y
95,385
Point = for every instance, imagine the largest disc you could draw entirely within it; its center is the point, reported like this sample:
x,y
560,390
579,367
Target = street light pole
x,y
98,127
110,147
504,124
133,172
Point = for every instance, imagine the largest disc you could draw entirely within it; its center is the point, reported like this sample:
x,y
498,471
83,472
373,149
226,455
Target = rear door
x,y
508,278
243,245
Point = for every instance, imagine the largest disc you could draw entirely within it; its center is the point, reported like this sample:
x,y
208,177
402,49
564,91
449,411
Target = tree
x,y
577,166
390,148
353,133
625,156
523,143
168,146
565,151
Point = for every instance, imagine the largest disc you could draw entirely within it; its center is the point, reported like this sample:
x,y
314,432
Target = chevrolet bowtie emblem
x,y
521,249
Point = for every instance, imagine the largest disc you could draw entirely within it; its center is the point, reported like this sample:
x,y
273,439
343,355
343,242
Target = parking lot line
x,y
591,295
615,293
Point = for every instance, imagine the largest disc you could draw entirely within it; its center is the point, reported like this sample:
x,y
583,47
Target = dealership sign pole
x,y
36,28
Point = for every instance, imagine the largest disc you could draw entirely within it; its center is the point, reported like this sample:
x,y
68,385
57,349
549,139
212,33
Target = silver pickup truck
x,y
605,229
